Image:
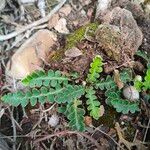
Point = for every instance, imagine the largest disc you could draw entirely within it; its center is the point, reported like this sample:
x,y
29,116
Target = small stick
x,y
146,130
69,132
36,23
14,128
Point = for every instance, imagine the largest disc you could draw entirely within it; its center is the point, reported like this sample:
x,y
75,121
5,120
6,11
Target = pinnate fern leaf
x,y
76,116
126,75
39,78
124,106
146,83
108,83
93,103
121,105
44,94
95,69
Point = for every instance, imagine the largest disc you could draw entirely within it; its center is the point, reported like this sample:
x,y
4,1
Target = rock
x,y
109,38
127,37
102,6
65,10
53,120
53,21
61,26
131,93
30,56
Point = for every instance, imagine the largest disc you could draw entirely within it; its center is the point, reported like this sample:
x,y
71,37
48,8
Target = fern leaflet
x,y
146,83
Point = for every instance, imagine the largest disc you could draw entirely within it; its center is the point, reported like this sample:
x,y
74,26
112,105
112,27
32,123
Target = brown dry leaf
x,y
53,21
73,52
30,56
88,120
102,110
61,26
117,79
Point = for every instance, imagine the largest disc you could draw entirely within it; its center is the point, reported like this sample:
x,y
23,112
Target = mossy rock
x,y
78,35
73,39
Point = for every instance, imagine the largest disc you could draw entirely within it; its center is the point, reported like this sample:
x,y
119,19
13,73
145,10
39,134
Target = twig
x,y
69,132
14,128
108,136
146,130
36,23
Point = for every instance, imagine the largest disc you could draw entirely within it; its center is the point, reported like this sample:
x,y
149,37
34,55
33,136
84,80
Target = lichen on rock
x,y
119,36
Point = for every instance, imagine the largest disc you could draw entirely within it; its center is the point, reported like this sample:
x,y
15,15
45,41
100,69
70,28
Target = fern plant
x,y
95,70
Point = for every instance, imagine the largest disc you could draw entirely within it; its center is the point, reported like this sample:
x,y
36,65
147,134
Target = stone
x,y
119,35
31,55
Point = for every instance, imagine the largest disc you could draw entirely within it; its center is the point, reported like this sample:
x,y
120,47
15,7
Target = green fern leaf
x,y
108,83
76,116
59,95
39,78
96,68
93,103
124,106
126,75
146,83
121,105
138,85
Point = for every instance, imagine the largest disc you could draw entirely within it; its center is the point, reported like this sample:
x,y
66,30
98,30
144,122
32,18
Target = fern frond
x,y
138,85
39,78
76,116
126,75
108,83
44,94
121,105
95,69
125,106
146,82
93,103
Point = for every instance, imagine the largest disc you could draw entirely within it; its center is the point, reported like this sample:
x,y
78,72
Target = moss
x,y
73,39
56,55
78,35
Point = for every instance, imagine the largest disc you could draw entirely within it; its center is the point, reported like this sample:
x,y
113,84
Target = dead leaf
x,y
102,110
61,26
73,52
88,120
117,79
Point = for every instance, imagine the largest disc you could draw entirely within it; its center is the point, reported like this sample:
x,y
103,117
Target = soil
x,y
31,123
